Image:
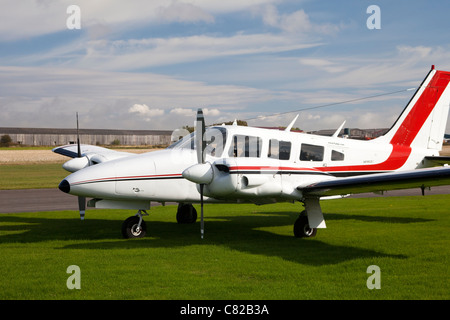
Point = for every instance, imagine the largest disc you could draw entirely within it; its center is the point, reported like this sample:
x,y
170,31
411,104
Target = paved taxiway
x,y
36,200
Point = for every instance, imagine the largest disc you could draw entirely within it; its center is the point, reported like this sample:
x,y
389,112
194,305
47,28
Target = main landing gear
x,y
135,227
186,213
301,227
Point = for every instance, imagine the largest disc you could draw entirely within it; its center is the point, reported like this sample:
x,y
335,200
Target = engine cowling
x,y
223,184
76,164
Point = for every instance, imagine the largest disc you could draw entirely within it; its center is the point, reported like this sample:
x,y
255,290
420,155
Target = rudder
x,y
422,123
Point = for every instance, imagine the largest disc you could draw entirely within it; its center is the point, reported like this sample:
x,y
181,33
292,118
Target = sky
x,y
143,64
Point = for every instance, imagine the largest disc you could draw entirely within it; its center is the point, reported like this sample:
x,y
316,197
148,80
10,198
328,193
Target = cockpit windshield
x,y
215,137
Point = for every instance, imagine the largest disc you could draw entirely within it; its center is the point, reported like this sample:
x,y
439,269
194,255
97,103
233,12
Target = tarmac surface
x,y
37,200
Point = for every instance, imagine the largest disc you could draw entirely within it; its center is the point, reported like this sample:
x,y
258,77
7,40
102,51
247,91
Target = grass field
x,y
248,253
31,176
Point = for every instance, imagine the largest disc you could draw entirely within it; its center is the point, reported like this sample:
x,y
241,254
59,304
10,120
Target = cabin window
x,y
215,139
245,146
279,149
310,152
336,155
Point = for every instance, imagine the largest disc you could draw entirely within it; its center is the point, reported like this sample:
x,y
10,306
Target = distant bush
x,y
5,140
116,142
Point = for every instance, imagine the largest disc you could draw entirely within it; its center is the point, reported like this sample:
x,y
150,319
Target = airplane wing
x,y
70,150
419,178
90,155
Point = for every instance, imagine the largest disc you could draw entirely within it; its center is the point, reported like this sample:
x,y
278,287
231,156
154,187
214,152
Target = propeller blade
x,y
200,131
81,200
202,225
82,206
201,145
78,141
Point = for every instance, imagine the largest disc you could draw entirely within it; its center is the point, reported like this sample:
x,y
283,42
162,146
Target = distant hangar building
x,y
57,137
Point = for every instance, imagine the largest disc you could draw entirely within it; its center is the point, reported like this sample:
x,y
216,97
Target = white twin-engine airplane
x,y
236,164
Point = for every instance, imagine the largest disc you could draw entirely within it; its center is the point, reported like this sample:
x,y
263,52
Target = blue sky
x,y
150,64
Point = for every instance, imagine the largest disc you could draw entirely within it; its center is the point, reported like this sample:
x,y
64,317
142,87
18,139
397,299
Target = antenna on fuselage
x,y
338,130
289,127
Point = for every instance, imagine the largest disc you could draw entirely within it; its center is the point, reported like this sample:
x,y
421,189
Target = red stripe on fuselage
x,y
396,159
270,169
155,176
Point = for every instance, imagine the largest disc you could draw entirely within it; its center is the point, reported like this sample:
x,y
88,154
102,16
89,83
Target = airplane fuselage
x,y
250,165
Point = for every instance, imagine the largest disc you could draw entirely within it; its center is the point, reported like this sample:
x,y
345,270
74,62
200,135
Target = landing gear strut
x,y
301,227
135,227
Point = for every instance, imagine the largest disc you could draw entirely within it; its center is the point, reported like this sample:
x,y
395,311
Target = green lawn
x,y
248,253
31,176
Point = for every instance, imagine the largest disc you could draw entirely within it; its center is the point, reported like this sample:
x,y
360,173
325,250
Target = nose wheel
x,y
135,226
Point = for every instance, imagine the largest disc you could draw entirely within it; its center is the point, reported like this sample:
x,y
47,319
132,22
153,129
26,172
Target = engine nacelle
x,y
76,164
231,181
224,183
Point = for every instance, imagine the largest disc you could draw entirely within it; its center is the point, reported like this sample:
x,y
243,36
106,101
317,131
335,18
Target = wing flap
x,y
420,178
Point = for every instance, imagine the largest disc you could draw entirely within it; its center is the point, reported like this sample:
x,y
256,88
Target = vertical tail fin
x,y
423,121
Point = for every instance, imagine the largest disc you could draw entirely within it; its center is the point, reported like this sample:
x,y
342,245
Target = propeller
x,y
201,173
201,145
78,140
81,200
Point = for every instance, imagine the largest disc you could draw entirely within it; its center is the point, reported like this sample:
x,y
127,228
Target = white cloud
x,y
183,112
135,54
145,112
297,22
183,12
31,18
323,64
49,97
139,108
211,112
404,67
81,72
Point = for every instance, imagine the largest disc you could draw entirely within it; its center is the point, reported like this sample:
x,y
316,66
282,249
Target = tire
x,y
302,229
186,213
129,228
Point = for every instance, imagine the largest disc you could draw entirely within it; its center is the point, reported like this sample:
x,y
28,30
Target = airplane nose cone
x,y
64,186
